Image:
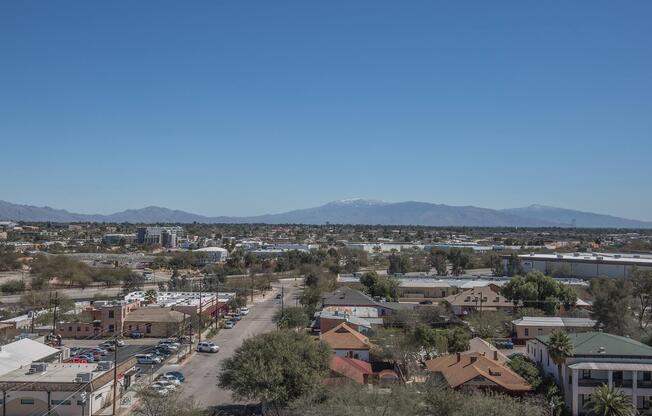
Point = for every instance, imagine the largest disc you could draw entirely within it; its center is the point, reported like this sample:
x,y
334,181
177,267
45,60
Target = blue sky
x,y
242,108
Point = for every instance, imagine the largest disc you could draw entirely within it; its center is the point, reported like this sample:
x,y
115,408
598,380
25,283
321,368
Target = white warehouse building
x,y
214,254
584,265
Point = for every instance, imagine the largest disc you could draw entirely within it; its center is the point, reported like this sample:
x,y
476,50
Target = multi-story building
x,y
105,319
529,327
162,236
478,299
116,239
598,359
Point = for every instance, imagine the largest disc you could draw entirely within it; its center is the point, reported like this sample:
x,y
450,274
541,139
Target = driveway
x,y
201,369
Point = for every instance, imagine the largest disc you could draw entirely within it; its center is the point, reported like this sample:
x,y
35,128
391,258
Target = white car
x,y
170,379
244,311
164,384
161,391
206,346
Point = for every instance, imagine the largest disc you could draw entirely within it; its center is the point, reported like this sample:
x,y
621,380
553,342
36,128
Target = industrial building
x,y
583,265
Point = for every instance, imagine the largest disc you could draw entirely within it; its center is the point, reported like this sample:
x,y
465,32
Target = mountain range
x,y
353,211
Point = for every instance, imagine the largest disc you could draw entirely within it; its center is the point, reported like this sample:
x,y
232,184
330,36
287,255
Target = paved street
x,y
202,368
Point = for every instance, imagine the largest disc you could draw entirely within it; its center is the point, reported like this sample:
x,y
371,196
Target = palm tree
x,y
607,401
560,348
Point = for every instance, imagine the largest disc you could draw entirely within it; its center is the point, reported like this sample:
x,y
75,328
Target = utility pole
x,y
252,286
115,371
54,314
217,301
282,300
200,309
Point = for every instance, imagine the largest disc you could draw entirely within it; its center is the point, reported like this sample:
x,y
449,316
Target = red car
x,y
76,360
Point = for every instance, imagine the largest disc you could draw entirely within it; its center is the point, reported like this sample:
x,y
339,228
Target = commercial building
x,y
62,389
161,236
23,352
213,254
106,319
118,239
154,321
529,327
598,358
583,265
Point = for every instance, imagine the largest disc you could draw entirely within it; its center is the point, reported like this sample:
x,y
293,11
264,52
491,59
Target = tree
x,y
438,261
489,324
537,290
514,266
398,264
151,295
292,317
433,342
560,348
151,403
459,260
642,291
607,401
380,286
611,304
458,340
132,281
276,368
526,368
495,263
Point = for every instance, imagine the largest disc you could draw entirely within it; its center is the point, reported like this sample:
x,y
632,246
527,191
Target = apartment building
x,y
529,327
599,358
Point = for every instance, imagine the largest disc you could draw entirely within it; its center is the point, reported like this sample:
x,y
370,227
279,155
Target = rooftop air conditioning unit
x,y
84,377
104,365
560,256
38,368
576,254
617,256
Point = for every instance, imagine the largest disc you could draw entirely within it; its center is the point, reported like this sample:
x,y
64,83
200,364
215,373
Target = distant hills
x,y
353,211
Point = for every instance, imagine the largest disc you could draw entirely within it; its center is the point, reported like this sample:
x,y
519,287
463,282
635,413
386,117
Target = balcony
x,y
592,382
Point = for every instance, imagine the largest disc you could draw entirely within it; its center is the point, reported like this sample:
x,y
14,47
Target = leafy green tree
x,y
560,348
514,266
151,295
607,401
527,369
433,342
458,340
611,304
276,368
381,286
495,263
151,403
132,281
292,317
537,290
13,286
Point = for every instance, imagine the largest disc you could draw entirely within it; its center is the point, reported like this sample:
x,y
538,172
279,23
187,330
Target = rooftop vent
x,y
104,365
38,368
84,378
576,254
602,350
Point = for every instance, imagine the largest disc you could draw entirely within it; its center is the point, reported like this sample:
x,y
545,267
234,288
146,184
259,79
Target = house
x,y
62,389
154,321
327,320
529,327
480,298
478,371
24,352
478,345
353,369
347,342
346,296
599,358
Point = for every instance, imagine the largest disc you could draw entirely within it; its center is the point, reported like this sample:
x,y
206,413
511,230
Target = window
x,y
111,328
527,332
70,328
539,330
497,299
26,401
60,402
443,293
111,315
79,329
87,329
586,373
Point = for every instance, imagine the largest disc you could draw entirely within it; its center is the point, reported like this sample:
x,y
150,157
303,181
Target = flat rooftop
x,y
55,373
554,321
608,258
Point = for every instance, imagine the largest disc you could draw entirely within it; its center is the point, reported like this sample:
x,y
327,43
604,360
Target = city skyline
x,y
234,109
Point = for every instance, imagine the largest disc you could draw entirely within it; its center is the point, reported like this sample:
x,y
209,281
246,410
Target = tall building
x,y
162,236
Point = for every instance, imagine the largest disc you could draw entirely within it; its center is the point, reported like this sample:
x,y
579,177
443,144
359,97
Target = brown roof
x,y
488,294
343,337
462,368
154,314
351,368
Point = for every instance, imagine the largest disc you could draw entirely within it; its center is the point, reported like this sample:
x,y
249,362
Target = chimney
x,y
459,357
495,355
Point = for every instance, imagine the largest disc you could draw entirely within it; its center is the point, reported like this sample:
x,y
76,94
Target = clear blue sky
x,y
249,107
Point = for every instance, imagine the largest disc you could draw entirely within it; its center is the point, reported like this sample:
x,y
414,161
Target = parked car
x,y
278,296
165,384
207,346
108,346
77,360
244,311
148,359
229,324
169,345
171,379
160,390
136,334
178,374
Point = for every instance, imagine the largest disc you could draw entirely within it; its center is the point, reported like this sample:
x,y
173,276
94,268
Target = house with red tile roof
x,y
356,370
347,342
478,371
